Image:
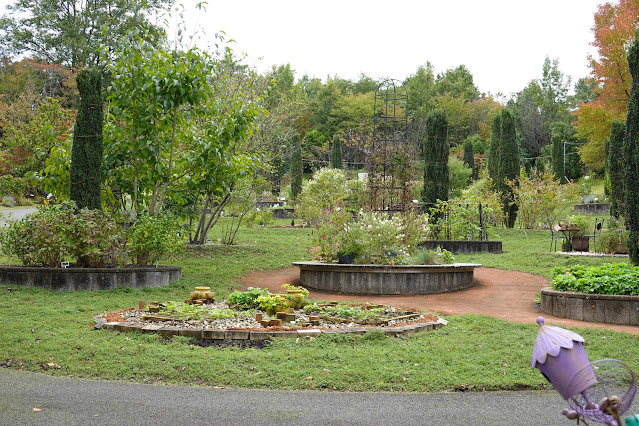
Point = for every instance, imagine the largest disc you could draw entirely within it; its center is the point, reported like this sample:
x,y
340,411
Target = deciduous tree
x,y
614,30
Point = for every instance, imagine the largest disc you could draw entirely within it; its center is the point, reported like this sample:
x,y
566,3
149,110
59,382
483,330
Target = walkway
x,y
502,294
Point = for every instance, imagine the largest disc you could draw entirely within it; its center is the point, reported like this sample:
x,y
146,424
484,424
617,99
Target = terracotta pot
x,y
621,248
580,243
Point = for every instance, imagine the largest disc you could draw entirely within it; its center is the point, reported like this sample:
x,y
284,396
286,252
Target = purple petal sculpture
x,y
559,354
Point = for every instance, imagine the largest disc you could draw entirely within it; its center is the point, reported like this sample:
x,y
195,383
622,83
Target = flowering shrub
x,y
327,190
373,237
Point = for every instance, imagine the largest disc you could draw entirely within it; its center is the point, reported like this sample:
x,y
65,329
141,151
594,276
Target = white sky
x,y
502,42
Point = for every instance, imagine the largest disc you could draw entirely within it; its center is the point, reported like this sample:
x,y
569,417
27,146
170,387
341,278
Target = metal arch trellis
x,y
388,162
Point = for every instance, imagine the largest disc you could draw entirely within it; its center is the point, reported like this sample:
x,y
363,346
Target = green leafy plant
x,y
610,278
612,238
151,238
274,302
432,257
328,190
245,300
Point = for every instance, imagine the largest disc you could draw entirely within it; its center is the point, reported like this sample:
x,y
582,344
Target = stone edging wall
x,y
71,279
255,335
605,308
463,246
599,208
385,279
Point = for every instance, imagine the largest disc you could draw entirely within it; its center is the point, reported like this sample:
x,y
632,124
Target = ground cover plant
x,y
42,330
611,278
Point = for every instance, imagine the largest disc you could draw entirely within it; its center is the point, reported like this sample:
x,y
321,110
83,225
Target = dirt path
x,y
502,294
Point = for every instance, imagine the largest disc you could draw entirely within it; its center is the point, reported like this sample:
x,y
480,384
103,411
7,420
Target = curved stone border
x,y
606,308
386,279
256,335
71,279
463,246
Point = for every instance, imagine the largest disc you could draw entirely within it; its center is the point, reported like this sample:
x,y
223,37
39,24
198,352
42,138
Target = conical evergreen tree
x,y
336,153
436,151
86,154
508,165
631,156
614,168
469,156
493,154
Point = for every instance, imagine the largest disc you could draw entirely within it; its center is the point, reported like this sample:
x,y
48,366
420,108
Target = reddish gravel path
x,y
502,294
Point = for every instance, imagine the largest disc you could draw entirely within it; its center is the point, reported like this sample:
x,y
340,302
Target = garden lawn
x,y
42,330
528,251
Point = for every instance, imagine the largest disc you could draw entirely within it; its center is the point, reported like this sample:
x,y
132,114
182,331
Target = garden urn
x,y
560,356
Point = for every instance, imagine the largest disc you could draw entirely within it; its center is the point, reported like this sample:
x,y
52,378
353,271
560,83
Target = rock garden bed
x,y
220,322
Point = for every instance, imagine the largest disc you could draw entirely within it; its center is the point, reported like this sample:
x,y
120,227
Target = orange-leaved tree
x,y
614,30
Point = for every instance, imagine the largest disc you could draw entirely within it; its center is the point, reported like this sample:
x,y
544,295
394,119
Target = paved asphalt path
x,y
15,213
65,401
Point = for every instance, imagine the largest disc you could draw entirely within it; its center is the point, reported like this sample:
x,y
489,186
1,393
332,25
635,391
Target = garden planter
x,y
580,243
296,298
71,279
621,248
346,259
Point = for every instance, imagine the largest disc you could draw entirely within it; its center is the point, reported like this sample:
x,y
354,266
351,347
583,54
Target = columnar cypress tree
x,y
493,154
336,153
436,151
469,155
297,167
86,154
631,156
614,168
508,164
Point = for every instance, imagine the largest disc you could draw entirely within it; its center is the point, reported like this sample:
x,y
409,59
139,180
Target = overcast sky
x,y
502,42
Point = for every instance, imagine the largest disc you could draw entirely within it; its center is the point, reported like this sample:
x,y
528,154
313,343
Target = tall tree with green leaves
x,y
86,154
436,151
70,32
494,152
336,153
508,165
614,169
297,167
469,156
631,155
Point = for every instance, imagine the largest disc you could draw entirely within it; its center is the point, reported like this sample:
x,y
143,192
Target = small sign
x,y
304,224
208,241
64,264
469,237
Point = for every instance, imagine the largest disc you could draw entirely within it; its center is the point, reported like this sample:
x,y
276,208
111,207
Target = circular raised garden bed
x,y
598,208
605,308
246,331
386,279
71,279
463,246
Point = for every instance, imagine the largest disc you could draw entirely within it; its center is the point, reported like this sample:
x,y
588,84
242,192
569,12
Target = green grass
x,y
528,251
39,326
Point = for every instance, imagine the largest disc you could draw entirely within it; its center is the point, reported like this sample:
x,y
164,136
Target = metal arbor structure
x,y
389,159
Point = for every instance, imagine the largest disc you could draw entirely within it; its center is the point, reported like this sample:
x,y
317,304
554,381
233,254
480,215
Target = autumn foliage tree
x,y
614,30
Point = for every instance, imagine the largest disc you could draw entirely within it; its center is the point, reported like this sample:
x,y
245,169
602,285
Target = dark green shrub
x,y
436,151
469,156
508,165
86,154
151,238
614,169
631,156
495,146
336,153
